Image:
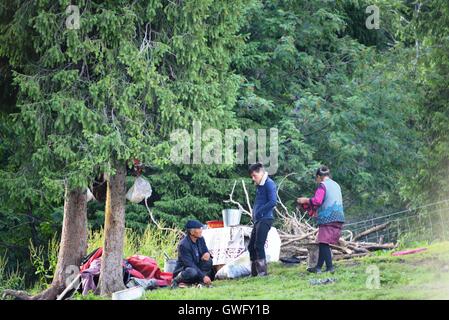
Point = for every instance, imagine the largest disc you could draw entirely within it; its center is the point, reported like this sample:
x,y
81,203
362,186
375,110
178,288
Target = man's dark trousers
x,y
191,275
256,246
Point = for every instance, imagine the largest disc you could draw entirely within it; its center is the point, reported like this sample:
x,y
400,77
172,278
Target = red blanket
x,y
143,267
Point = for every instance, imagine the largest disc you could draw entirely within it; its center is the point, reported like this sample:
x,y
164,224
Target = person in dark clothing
x,y
263,218
194,263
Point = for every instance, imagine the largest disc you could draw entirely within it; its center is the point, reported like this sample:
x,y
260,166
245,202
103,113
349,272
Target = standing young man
x,y
262,217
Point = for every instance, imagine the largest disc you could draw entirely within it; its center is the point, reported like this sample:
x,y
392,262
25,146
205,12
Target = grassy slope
x,y
419,276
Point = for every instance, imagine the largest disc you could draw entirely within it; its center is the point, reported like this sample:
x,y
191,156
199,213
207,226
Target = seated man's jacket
x,y
189,255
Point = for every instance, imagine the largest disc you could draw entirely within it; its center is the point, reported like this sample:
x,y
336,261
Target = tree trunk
x,y
72,247
111,272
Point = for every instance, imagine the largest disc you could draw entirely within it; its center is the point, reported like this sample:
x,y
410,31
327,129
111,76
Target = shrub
x,y
10,279
44,260
153,242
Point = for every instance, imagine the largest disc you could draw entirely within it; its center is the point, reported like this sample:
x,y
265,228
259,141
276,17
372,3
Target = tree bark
x,y
72,247
111,272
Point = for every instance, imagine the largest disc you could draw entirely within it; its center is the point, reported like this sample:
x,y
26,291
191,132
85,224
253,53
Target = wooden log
x,y
350,256
290,236
298,238
358,249
337,253
370,230
294,249
342,249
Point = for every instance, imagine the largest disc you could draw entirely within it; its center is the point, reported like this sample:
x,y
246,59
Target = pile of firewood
x,y
297,244
298,236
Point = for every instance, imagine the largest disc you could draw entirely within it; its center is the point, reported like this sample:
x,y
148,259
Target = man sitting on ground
x,y
194,263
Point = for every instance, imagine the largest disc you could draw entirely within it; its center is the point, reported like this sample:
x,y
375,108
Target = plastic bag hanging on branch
x,y
89,195
140,190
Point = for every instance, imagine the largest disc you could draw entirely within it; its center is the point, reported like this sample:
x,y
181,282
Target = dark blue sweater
x,y
265,201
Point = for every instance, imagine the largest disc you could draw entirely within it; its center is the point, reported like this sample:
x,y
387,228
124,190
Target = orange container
x,y
215,224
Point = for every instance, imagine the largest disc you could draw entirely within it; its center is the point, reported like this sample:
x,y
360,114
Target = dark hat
x,y
193,224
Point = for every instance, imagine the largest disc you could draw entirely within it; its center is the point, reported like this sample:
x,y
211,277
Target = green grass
x,y
419,276
423,275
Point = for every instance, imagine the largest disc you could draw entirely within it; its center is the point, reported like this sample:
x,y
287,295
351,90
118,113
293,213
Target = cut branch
x,y
247,198
231,200
370,230
158,225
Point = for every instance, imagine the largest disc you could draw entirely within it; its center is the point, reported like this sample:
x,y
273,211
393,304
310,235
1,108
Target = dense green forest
x,y
371,103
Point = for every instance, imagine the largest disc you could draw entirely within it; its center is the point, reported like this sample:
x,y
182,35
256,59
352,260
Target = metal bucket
x,y
231,217
169,265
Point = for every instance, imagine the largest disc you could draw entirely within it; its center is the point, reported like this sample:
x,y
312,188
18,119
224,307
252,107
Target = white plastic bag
x,y
90,195
140,190
240,267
